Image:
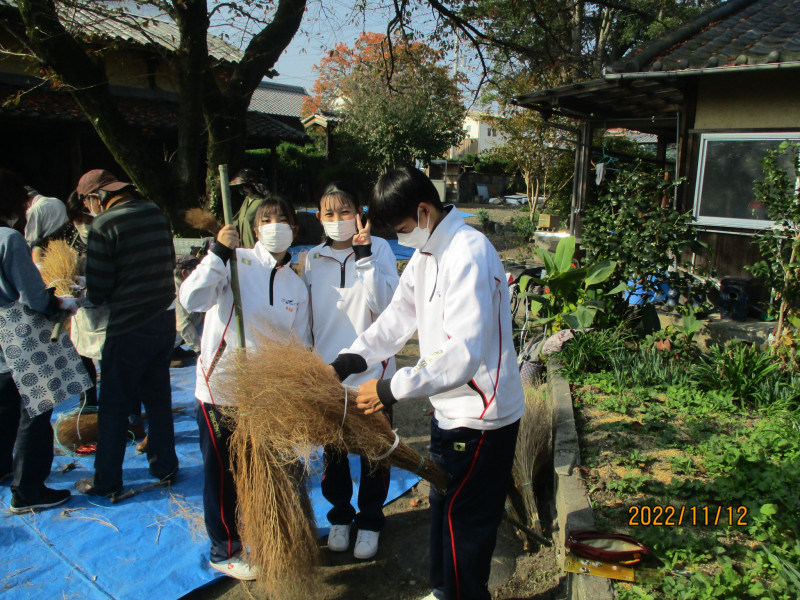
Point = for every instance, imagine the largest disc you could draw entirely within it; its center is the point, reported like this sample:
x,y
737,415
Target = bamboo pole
x,y
237,295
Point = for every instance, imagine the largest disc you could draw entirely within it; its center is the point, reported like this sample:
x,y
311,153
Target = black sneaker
x,y
47,499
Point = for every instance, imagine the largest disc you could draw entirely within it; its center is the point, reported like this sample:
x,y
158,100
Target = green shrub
x,y
590,351
747,372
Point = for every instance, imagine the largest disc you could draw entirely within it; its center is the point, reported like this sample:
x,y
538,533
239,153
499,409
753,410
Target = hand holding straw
x,y
237,295
60,271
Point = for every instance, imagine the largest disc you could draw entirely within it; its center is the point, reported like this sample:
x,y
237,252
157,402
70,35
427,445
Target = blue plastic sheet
x,y
152,545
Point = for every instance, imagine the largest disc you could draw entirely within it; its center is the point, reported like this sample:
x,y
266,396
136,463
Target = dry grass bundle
x,y
274,515
76,428
203,220
60,267
298,403
288,403
534,451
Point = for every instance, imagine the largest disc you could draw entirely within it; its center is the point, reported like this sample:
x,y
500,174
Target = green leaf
x,y
580,318
548,259
769,509
620,287
599,272
564,253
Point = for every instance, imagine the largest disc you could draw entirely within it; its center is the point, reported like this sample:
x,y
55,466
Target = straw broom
x,y
288,404
298,403
59,267
533,453
202,220
60,270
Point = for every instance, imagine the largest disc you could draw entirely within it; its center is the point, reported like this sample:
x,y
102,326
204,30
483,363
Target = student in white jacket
x,y
274,302
453,292
351,278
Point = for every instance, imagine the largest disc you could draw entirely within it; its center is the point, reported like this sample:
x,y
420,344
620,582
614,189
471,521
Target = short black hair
x,y
398,193
76,211
342,190
13,196
272,205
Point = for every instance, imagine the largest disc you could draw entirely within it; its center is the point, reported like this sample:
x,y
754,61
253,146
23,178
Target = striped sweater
x,y
129,263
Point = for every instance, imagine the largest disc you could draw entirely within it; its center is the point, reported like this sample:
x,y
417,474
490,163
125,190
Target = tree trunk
x,y
225,104
192,20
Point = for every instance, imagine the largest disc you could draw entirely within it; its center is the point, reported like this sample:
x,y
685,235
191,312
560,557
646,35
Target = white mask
x,y
83,229
418,237
340,231
275,237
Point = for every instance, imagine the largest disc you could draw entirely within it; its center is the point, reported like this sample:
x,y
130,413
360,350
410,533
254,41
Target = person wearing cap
x,y
129,263
254,191
46,218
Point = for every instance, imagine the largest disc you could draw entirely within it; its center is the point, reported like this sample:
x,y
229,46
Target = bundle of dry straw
x,y
288,404
203,220
298,403
533,453
59,267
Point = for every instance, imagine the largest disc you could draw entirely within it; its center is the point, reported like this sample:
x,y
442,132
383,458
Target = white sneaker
x,y
366,544
339,538
237,568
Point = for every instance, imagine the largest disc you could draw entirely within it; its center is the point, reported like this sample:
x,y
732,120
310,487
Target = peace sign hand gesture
x,y
362,236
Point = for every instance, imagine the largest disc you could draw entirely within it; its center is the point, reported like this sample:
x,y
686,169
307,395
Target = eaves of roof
x,y
155,117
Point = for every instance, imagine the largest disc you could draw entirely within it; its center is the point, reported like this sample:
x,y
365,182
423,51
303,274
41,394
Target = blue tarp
x,y
152,545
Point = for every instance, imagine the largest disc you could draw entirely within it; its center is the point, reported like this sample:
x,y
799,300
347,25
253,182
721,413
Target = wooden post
x,y
237,295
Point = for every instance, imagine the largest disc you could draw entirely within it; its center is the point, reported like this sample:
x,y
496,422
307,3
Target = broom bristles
x,y
299,405
286,403
534,443
59,267
203,220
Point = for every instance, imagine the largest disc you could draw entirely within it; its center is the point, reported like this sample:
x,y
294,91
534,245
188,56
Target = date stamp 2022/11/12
x,y
675,516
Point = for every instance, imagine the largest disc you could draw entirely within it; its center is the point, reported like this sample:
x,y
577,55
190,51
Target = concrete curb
x,y
571,499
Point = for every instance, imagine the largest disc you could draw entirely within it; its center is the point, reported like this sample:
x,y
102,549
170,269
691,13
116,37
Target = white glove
x,y
69,304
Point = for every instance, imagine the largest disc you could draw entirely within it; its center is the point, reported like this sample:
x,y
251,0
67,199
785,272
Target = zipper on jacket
x,y
272,281
342,267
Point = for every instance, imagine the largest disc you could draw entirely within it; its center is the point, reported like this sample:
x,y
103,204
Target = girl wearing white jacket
x,y
274,302
351,278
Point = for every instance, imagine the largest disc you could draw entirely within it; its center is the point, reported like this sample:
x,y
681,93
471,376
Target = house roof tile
x,y
736,32
278,99
98,21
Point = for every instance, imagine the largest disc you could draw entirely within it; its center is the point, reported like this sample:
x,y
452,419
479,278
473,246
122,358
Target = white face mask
x,y
340,231
83,229
275,237
418,237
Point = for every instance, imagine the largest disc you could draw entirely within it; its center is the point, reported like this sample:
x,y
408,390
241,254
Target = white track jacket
x,y
347,293
454,293
274,302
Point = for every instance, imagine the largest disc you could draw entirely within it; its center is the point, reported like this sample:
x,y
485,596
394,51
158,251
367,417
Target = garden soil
x,y
400,569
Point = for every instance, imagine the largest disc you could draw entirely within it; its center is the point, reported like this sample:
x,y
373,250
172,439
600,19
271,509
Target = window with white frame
x,y
728,166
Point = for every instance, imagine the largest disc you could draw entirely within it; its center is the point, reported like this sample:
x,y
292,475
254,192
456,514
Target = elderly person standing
x,y
129,265
26,435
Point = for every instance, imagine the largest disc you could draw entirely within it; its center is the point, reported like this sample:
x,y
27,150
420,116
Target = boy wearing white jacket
x,y
350,278
453,292
274,302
